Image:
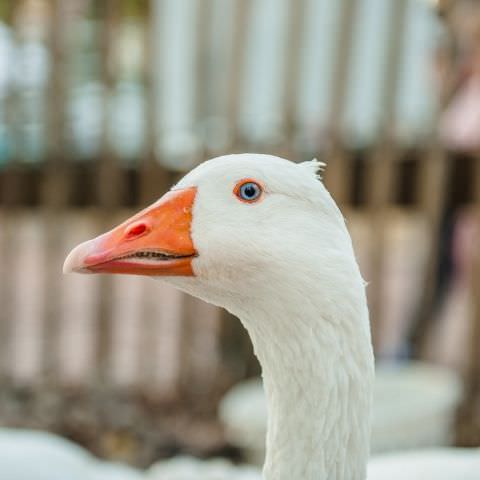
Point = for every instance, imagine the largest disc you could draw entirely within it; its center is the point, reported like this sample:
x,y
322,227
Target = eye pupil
x,y
249,191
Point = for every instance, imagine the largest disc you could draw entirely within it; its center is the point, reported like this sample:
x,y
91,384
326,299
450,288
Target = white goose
x,y
262,237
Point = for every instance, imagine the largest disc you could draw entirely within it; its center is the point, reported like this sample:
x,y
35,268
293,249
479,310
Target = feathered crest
x,y
314,166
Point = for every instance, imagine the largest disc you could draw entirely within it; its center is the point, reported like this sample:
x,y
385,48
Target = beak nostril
x,y
136,230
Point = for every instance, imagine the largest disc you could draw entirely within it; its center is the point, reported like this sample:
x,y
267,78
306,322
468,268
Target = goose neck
x,y
318,378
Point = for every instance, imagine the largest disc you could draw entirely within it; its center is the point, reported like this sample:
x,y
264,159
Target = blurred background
x,y
104,104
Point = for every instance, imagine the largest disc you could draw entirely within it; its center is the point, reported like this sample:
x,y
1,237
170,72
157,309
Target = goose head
x,y
231,230
261,236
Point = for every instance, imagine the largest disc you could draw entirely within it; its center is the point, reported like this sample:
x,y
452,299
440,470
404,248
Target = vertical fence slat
x,y
153,178
54,195
109,190
432,196
191,306
472,378
153,181
338,172
293,70
236,71
6,290
9,193
232,351
7,286
382,163
202,64
432,191
468,425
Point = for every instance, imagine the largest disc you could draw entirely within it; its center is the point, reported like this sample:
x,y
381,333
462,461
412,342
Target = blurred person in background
x,y
457,80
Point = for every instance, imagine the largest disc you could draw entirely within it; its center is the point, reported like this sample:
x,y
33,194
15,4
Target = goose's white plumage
x,y
285,266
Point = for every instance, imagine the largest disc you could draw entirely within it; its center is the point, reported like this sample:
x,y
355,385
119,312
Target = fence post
x,y
338,172
202,68
109,190
10,188
54,194
432,196
292,73
232,335
237,68
381,165
468,421
153,179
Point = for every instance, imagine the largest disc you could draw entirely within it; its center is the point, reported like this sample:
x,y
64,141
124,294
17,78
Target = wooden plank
x,y
297,11
153,178
198,361
338,174
153,181
236,71
432,193
109,191
238,358
468,427
8,198
190,306
341,68
7,287
381,166
202,62
230,327
54,195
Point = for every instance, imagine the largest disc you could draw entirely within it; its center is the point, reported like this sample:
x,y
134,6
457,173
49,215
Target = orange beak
x,y
156,241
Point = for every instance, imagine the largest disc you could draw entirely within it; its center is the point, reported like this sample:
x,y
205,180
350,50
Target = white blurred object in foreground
x,y
35,455
423,464
426,464
188,468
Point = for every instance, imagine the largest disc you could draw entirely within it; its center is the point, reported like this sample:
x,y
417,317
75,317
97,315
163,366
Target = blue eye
x,y
248,191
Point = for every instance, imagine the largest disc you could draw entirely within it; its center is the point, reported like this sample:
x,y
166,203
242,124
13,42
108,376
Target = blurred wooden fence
x,y
48,206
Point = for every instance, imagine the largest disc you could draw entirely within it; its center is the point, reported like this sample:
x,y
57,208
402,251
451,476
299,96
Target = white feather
x,y
315,166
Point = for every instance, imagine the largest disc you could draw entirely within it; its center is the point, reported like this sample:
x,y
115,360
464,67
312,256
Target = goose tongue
x,y
155,241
